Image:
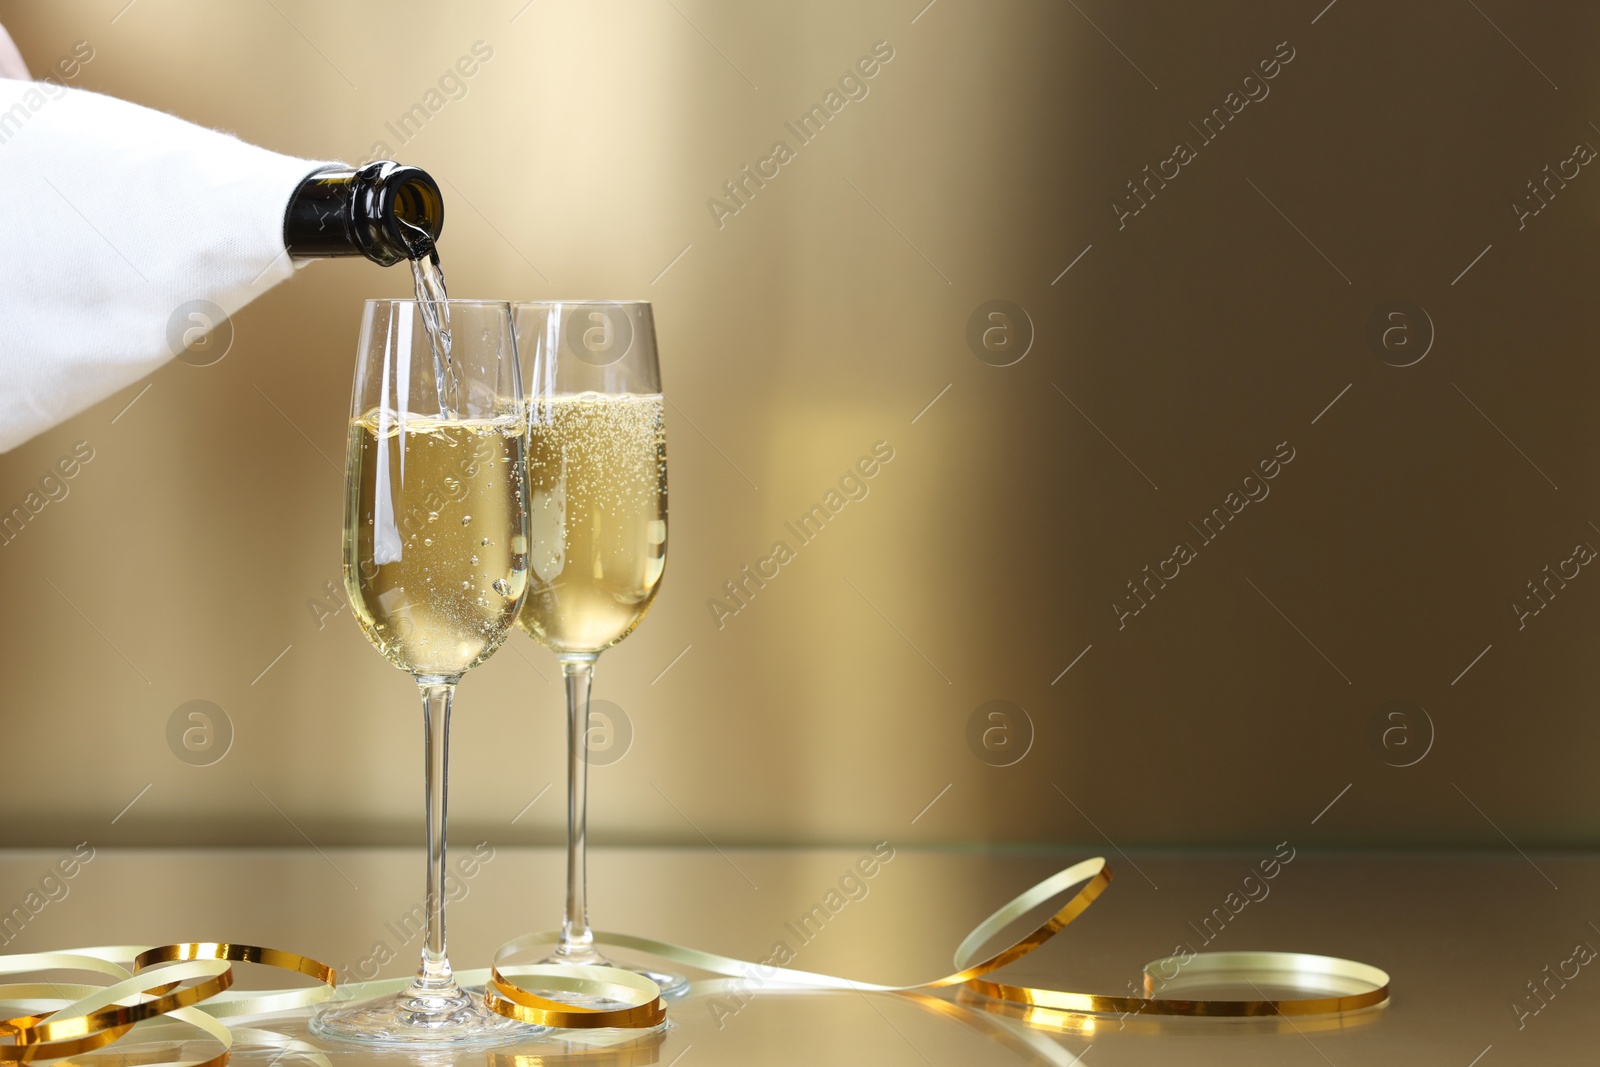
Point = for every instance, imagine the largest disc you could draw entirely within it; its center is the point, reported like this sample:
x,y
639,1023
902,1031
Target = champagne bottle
x,y
385,211
137,229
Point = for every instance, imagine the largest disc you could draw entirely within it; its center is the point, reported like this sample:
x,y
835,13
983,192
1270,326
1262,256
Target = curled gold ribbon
x,y
1360,985
154,982
101,1012
1365,985
150,986
505,997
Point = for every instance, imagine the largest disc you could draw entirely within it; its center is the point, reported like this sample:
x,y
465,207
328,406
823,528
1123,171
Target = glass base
x,y
671,984
415,1018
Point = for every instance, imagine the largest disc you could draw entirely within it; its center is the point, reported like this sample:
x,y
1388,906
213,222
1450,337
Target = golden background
x,y
1176,353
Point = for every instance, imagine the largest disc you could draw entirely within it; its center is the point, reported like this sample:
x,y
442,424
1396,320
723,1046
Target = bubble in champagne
x,y
466,520
502,587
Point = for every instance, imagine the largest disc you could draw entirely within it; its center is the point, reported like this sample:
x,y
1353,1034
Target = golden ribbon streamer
x,y
1360,985
103,1014
505,997
190,982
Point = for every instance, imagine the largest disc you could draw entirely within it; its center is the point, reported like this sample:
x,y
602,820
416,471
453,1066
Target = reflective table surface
x,y
1489,953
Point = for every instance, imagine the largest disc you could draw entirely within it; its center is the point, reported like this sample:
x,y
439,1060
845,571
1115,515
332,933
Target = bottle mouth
x,y
405,205
383,210
417,199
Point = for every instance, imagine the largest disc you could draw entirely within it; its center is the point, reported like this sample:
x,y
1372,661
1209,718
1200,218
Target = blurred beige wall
x,y
1356,619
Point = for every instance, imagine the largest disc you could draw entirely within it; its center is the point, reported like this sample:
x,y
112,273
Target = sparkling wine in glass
x,y
597,481
436,568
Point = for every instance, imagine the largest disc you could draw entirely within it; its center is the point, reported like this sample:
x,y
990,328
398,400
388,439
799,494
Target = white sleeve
x,y
116,216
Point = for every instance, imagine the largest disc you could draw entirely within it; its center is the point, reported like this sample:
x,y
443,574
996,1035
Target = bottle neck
x,y
384,211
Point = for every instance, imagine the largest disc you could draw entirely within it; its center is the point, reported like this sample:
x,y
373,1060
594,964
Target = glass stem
x,y
434,976
577,942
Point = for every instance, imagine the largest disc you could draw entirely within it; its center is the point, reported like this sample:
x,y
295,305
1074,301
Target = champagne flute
x,y
435,565
597,480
